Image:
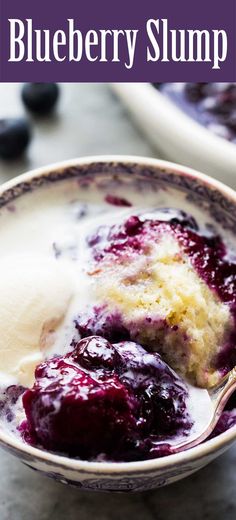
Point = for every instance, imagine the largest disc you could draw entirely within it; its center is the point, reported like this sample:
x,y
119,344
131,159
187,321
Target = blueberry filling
x,y
114,401
211,104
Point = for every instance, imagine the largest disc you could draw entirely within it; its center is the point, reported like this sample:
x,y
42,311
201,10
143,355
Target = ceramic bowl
x,y
203,192
177,135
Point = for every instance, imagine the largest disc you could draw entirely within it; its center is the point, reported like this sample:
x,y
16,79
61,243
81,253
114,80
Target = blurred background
x,y
89,119
190,123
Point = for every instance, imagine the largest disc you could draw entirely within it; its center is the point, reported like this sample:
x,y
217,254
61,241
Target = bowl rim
x,y
218,443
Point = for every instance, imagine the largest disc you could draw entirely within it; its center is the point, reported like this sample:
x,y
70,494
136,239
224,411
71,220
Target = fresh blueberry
x,y
40,98
157,85
14,137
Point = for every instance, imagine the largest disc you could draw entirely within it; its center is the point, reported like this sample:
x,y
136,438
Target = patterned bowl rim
x,y
206,449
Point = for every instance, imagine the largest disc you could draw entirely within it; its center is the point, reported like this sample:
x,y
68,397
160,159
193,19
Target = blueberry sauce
x,y
211,104
112,326
134,234
106,401
101,322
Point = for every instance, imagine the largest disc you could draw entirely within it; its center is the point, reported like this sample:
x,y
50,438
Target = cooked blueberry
x,y
230,92
68,410
14,137
109,325
117,201
195,91
40,98
164,410
231,121
132,225
221,107
176,216
95,352
211,104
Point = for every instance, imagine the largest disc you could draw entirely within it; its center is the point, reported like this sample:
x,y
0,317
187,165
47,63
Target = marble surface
x,y
90,120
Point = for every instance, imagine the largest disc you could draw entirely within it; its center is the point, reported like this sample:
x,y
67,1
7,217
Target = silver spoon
x,y
205,408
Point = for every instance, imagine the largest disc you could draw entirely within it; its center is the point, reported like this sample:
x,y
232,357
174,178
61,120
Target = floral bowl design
x,y
220,202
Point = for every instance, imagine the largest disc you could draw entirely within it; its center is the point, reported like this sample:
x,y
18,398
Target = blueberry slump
x,y
117,317
160,287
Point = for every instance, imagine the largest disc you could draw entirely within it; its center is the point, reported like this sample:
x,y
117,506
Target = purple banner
x,y
104,40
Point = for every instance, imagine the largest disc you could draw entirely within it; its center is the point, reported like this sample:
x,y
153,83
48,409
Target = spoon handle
x,y
220,394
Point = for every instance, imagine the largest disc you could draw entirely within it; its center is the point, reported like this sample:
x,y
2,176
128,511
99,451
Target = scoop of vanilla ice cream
x,y
35,293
